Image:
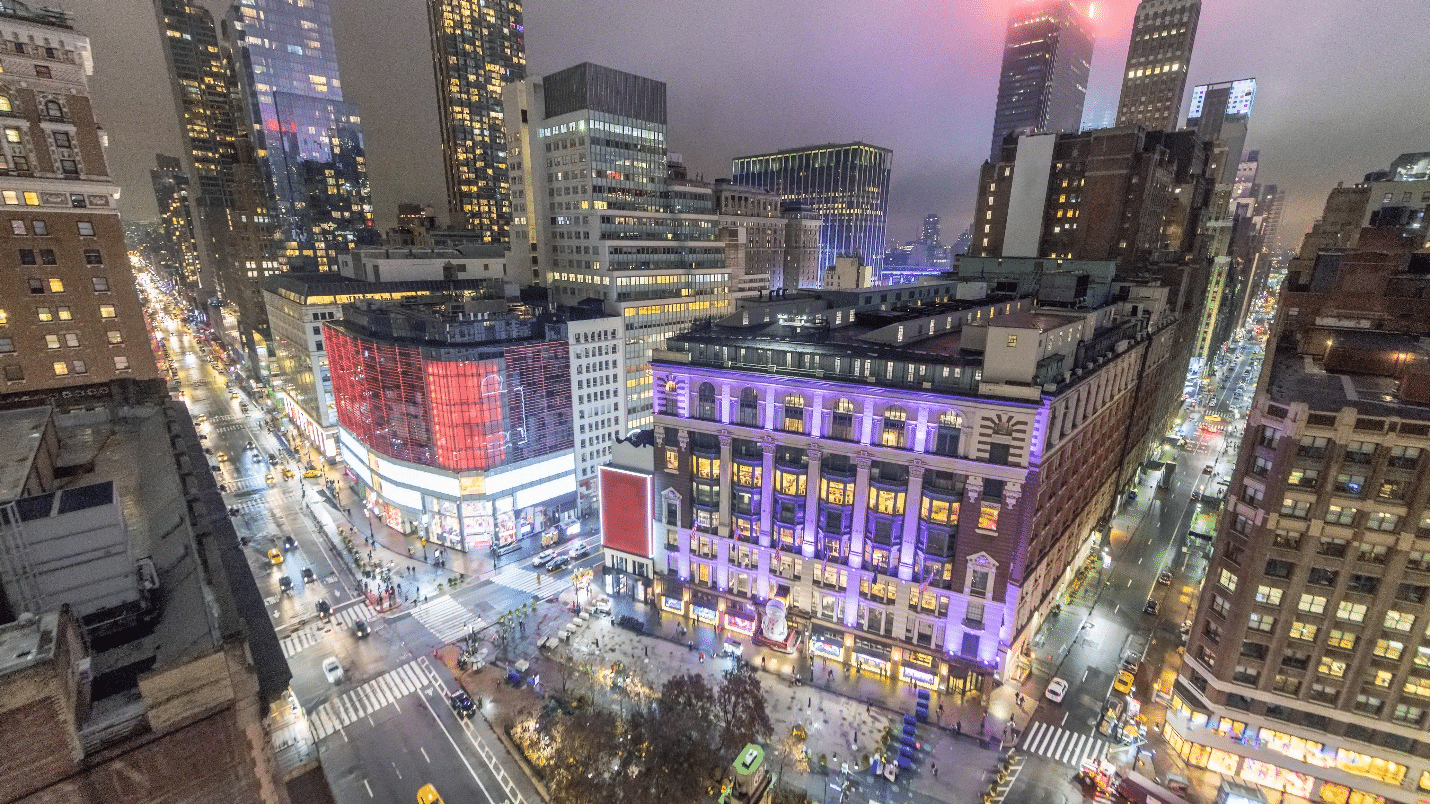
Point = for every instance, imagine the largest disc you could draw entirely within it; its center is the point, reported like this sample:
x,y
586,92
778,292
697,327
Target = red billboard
x,y
626,499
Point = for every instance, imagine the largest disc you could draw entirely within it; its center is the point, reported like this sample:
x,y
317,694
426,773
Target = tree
x,y
741,710
588,759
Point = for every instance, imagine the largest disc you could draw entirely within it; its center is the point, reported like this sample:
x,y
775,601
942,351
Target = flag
x,y
928,576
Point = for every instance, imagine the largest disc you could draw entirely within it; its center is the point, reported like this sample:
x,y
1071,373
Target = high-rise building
x,y
929,234
232,225
313,163
1047,55
765,249
848,185
1124,194
1272,204
595,213
1307,668
1163,32
176,249
478,47
70,313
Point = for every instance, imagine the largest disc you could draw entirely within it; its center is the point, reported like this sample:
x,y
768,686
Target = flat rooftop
x,y
1298,378
28,641
21,432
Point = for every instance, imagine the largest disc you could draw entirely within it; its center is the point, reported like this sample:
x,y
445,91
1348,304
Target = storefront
x,y
826,642
871,657
672,597
741,617
919,669
704,607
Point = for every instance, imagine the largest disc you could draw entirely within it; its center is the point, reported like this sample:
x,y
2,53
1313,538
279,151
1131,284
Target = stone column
x,y
811,502
722,524
862,461
912,499
767,489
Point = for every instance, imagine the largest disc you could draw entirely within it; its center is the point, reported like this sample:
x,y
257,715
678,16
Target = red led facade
x,y
460,415
626,500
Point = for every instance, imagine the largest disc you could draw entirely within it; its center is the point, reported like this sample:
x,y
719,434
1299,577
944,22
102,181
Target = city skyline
x,y
941,144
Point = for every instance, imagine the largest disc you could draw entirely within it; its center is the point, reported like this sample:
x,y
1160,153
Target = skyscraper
x,y
929,234
69,312
314,167
1163,32
1047,56
596,215
232,225
478,47
846,184
176,248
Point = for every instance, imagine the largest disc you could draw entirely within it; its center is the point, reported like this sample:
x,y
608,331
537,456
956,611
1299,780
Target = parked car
x,y
1165,578
1123,682
1150,608
462,703
1057,688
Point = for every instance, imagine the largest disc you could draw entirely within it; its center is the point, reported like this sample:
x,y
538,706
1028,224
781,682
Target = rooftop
x,y
1296,377
332,288
21,432
28,640
16,9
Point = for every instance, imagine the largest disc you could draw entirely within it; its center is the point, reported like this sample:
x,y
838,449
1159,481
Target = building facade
x,y
1158,55
913,479
454,420
846,184
313,163
478,48
70,314
596,341
1047,55
597,216
765,248
1308,665
176,248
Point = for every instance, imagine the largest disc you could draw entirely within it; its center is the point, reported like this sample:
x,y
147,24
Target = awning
x,y
872,649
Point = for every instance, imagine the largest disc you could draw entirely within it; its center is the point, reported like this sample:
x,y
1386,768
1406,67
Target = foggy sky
x,y
1343,85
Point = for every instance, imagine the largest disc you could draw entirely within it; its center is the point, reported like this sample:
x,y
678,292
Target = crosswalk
x,y
447,619
1062,745
248,483
342,619
376,694
523,577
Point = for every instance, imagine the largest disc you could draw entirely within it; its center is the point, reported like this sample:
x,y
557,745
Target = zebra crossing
x,y
248,483
447,619
1062,745
308,634
367,698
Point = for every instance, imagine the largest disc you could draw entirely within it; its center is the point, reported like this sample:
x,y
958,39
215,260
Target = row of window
x,y
31,198
39,287
63,368
64,312
113,337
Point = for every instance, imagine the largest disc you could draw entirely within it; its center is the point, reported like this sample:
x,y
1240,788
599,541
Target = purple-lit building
x,y
913,472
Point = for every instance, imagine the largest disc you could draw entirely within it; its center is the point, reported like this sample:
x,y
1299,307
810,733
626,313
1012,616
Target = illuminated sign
x,y
1199,98
1238,101
627,501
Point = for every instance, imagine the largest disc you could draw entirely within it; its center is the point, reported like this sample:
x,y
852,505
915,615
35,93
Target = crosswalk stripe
x,y
362,701
1062,745
1076,746
413,679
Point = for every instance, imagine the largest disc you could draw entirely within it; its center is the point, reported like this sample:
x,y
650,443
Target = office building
x,y
455,417
596,215
478,47
1308,665
929,234
847,185
914,471
175,248
232,225
1158,55
139,661
1124,194
765,248
70,315
1047,55
313,162
596,341
299,302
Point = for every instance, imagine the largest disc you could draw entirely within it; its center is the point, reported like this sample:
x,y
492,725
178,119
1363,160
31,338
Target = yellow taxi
x,y
427,794
288,473
268,478
275,556
1123,682
311,473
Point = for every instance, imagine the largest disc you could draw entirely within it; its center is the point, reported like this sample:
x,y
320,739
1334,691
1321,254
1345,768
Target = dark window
x,y
1364,584
998,454
1276,568
37,286
47,257
1321,576
69,167
27,257
1253,650
62,139
14,374
43,71
992,489
707,407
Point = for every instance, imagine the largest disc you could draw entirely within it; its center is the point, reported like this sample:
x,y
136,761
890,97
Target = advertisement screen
x,y
626,500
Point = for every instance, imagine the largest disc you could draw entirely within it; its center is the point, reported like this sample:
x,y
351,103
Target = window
x,y
13,135
1345,640
1304,630
1399,620
1292,507
793,420
86,228
1276,568
1340,515
56,285
41,229
1351,612
1219,605
7,345
47,257
114,336
1350,484
1312,604
121,363
1402,457
892,433
37,286
1380,520
749,408
27,257
706,408
52,341
1261,622
101,284
44,314
1322,576
1313,447
92,256
1227,580
1260,466
43,71
62,139
18,228
1359,452
1332,666
63,313
1269,595
80,367
61,368
107,311
950,430
1388,649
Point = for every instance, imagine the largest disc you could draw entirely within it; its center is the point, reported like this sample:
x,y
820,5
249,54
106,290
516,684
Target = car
x,y
1057,688
1150,608
1165,578
308,575
311,473
288,473
581,550
285,584
332,670
461,703
272,458
558,563
290,543
223,457
268,478
427,794
1123,682
360,629
275,556
233,395
249,445
543,558
325,609
200,419
603,606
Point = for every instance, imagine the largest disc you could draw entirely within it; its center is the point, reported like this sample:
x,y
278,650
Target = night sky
x,y
1343,85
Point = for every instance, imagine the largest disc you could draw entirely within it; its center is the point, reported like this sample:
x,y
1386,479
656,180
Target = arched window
x,y
750,408
793,421
841,420
950,430
892,433
54,109
707,408
668,403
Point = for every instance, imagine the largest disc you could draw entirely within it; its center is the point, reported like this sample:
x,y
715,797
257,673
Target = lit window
x,y
61,368
57,285
107,311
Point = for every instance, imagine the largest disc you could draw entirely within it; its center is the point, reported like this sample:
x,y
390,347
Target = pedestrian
x,y
958,727
811,702
702,657
647,650
934,767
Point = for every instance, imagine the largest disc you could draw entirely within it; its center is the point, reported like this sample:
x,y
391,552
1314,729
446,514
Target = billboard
x,y
626,500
